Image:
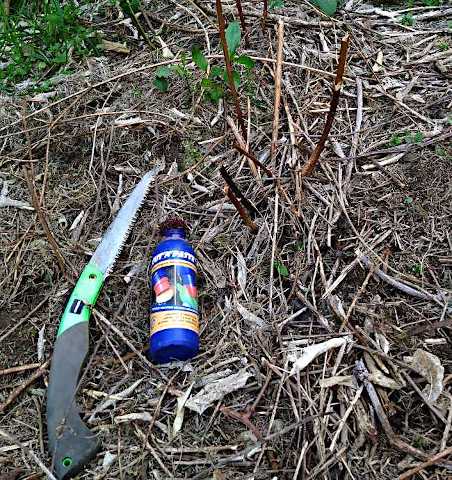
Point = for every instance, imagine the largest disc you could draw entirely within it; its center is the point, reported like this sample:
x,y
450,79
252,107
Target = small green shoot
x,y
215,82
416,137
161,79
299,246
408,200
215,79
37,40
407,137
274,4
443,152
191,155
396,140
199,59
137,92
417,269
408,20
328,7
281,269
443,46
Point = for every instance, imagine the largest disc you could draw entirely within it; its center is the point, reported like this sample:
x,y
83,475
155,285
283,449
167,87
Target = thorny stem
x,y
264,14
238,4
338,82
278,76
242,212
229,71
235,189
29,177
253,158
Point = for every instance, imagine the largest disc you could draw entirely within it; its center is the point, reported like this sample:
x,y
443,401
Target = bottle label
x,y
174,294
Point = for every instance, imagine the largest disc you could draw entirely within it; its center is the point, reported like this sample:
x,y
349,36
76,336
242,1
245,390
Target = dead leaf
x,y
217,390
304,356
378,377
112,399
346,380
250,317
429,366
130,417
378,62
179,419
115,47
241,272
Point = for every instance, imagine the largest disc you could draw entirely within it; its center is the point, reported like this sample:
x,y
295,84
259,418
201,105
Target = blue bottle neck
x,y
174,233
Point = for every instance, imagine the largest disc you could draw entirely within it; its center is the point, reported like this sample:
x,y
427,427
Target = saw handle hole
x,y
92,276
67,462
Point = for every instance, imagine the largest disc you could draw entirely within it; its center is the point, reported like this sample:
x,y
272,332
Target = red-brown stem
x,y
236,191
253,159
43,220
229,71
278,78
238,4
315,155
15,393
241,211
264,15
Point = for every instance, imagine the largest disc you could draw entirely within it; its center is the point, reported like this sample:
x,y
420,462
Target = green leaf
x,y
60,58
199,58
233,36
206,83
328,7
216,72
161,84
246,61
275,4
235,77
281,269
163,72
215,92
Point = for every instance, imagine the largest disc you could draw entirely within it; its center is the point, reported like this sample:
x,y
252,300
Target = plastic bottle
x,y
174,304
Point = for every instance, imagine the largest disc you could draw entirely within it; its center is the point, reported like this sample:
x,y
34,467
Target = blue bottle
x,y
174,301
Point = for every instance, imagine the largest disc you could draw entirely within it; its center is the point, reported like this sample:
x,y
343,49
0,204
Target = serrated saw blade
x,y
116,235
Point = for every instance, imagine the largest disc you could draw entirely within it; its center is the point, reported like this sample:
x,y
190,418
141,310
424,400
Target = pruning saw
x,y
71,444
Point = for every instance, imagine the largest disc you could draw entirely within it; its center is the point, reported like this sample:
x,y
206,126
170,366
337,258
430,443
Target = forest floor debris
x,y
355,257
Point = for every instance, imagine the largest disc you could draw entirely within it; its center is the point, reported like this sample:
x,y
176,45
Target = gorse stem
x,y
229,71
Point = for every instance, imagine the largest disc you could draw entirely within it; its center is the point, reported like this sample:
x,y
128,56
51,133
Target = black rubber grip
x,y
71,444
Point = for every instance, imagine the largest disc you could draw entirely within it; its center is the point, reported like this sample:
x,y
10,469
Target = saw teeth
x,y
119,243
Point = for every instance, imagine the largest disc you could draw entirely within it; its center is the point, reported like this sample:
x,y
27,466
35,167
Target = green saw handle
x,y
71,444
